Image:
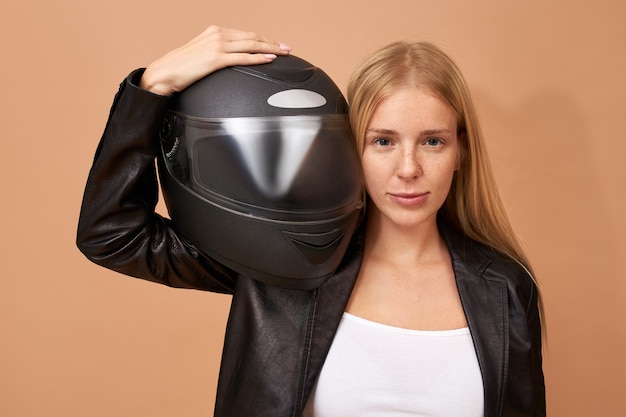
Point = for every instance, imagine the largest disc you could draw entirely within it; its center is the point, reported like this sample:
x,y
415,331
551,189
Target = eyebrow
x,y
383,131
393,132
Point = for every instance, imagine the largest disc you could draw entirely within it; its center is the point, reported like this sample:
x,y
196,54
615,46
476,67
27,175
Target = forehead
x,y
412,106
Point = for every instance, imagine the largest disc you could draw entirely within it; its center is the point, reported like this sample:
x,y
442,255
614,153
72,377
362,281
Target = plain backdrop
x,y
548,79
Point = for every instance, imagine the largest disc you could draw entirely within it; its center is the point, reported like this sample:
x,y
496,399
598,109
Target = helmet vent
x,y
317,248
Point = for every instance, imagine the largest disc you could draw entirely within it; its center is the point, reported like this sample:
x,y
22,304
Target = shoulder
x,y
474,260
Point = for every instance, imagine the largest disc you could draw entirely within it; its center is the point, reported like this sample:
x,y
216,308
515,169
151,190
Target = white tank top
x,y
373,369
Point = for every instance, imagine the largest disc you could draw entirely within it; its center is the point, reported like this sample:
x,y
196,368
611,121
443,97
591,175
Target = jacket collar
x,y
485,302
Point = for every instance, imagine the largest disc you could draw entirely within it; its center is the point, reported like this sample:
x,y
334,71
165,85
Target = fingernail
x,y
270,56
284,47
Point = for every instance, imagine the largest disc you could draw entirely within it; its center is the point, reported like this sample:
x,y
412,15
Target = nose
x,y
408,165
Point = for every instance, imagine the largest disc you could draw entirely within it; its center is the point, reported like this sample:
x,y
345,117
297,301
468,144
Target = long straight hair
x,y
473,205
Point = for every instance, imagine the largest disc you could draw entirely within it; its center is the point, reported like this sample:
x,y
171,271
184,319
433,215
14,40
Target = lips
x,y
409,199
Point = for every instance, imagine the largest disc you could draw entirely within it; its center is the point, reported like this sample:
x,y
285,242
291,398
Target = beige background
x,y
78,340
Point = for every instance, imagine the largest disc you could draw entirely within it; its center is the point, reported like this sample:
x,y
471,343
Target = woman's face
x,y
409,157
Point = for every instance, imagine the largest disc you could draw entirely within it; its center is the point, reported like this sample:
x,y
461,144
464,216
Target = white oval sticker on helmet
x,y
296,99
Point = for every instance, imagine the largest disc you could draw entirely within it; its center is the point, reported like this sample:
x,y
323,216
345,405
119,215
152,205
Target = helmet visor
x,y
274,167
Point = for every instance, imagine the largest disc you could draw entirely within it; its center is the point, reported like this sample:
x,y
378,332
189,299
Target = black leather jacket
x,y
277,339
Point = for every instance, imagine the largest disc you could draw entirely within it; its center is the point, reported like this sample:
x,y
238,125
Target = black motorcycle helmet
x,y
259,171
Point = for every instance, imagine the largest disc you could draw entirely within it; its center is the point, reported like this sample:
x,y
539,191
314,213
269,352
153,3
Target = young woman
x,y
433,310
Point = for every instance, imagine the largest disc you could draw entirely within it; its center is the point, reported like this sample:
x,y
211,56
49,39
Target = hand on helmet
x,y
213,49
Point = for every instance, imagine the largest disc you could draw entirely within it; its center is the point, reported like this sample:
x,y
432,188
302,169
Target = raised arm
x,y
118,227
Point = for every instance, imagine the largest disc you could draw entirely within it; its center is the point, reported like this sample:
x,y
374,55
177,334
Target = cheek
x,y
440,173
446,176
373,173
369,178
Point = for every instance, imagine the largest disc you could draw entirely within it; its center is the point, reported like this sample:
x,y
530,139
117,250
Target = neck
x,y
403,244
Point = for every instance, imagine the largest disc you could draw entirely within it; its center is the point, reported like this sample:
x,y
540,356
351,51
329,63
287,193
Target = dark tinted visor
x,y
258,165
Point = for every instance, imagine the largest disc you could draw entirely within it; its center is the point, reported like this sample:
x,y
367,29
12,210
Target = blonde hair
x,y
473,205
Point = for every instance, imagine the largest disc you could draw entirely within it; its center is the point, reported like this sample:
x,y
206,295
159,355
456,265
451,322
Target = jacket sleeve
x,y
118,227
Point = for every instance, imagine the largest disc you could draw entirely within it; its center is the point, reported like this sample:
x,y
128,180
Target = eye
x,y
383,142
433,142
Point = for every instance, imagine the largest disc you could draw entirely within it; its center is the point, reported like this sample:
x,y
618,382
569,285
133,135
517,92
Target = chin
x,y
409,220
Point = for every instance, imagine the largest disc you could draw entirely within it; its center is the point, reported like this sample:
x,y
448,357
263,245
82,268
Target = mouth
x,y
409,199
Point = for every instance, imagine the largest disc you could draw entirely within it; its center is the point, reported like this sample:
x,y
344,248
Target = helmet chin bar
x,y
291,254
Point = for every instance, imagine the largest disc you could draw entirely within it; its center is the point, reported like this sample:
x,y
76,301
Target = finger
x,y
233,40
235,34
256,47
245,58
